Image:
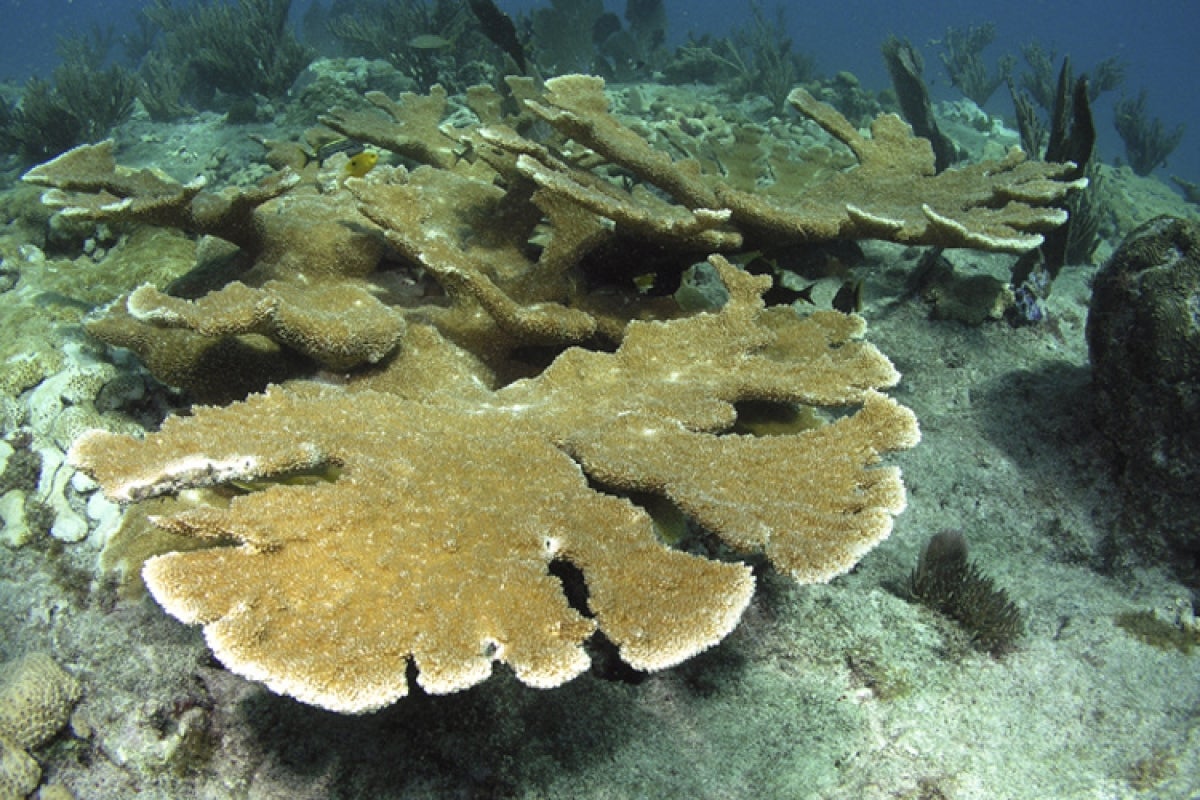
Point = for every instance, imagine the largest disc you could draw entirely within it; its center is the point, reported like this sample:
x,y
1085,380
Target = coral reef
x,y
451,502
301,285
446,468
54,381
38,491
494,279
298,244
86,183
36,697
893,195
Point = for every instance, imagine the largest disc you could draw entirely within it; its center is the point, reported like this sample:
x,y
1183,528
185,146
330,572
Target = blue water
x,y
1156,38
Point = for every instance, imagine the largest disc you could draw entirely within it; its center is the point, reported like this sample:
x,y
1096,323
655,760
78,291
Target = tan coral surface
x,y
515,222
434,541
892,195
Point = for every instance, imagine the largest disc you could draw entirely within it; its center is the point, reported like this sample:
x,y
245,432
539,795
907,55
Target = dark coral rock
x,y
1144,340
24,466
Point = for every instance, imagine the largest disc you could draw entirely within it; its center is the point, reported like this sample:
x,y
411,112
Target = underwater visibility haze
x,y
599,399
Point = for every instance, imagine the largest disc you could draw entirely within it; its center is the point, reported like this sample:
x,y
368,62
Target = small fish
x,y
429,41
351,147
362,163
848,299
756,263
780,295
645,282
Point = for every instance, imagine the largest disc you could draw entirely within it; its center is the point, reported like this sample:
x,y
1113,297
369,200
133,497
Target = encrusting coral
x,y
434,541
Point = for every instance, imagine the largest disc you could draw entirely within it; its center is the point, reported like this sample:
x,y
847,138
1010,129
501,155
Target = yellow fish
x,y
361,164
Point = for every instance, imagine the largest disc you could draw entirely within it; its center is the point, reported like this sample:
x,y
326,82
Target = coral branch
x,y
435,539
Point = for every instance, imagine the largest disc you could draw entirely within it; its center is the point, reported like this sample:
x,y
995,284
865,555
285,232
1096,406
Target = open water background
x,y
1158,40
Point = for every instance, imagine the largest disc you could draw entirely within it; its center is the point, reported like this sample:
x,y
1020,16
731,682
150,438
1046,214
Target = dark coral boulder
x,y
1143,336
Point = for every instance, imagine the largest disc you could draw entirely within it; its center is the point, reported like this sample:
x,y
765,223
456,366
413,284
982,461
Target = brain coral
x,y
36,697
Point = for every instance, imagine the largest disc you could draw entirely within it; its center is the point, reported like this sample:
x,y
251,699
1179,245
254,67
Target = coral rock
x,y
36,697
19,773
1143,333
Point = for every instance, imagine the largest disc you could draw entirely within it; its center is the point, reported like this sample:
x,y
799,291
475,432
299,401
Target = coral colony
x,y
460,471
